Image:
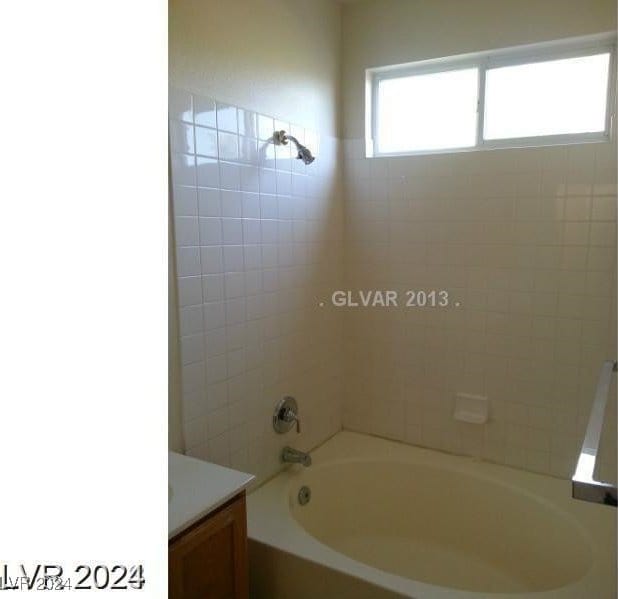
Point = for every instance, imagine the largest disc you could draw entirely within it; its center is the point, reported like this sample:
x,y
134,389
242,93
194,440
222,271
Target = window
x,y
529,96
439,109
547,98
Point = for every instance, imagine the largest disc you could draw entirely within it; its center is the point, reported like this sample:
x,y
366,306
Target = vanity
x,y
207,526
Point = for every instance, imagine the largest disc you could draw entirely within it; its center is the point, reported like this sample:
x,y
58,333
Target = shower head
x,y
281,138
305,154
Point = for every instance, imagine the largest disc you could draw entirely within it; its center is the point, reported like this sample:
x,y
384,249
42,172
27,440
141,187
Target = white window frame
x,y
569,48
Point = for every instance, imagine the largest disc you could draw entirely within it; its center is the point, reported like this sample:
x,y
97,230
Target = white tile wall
x,y
525,240
258,245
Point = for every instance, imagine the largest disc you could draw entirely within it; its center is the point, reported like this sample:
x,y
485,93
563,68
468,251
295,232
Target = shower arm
x,y
281,138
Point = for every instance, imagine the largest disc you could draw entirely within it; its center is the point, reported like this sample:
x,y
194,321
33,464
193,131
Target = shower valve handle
x,y
286,415
290,416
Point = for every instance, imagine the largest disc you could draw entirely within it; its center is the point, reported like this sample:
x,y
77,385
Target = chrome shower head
x,y
281,138
305,154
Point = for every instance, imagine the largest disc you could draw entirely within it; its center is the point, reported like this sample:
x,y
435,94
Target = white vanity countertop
x,y
197,488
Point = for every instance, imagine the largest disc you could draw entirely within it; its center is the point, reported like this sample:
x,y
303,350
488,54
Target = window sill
x,y
510,144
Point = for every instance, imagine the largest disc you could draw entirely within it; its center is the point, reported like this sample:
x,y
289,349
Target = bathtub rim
x,y
271,522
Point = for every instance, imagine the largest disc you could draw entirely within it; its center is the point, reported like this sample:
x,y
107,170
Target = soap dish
x,y
473,409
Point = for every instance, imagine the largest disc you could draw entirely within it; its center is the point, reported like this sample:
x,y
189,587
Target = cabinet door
x,y
210,560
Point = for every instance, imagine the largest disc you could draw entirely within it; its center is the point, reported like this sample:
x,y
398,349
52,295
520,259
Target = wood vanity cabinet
x,y
209,559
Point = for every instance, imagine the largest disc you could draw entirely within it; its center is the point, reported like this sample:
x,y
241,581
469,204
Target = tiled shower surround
x,y
258,241
522,239
525,241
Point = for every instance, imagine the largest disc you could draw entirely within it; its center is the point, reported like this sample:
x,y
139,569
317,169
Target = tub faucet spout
x,y
290,455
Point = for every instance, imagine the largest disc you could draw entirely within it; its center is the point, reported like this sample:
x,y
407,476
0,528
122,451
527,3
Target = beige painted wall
x,y
383,32
278,57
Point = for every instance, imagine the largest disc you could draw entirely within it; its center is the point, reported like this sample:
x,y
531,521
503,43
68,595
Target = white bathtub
x,y
389,520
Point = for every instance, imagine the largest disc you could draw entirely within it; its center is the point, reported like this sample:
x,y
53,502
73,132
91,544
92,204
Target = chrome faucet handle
x,y
285,415
290,417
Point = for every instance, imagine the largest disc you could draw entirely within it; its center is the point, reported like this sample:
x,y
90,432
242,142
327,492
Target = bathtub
x,y
389,520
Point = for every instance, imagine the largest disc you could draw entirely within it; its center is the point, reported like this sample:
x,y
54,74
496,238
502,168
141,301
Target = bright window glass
x,y
427,112
556,97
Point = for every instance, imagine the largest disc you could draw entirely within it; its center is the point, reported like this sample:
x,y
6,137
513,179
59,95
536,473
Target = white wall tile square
x,y
188,261
233,258
192,348
268,181
209,202
207,170
232,231
250,205
181,137
210,232
187,231
213,286
227,117
191,320
206,142
212,260
228,146
185,201
249,178
247,123
266,127
229,176
189,291
231,204
183,169
214,316
205,111
248,150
